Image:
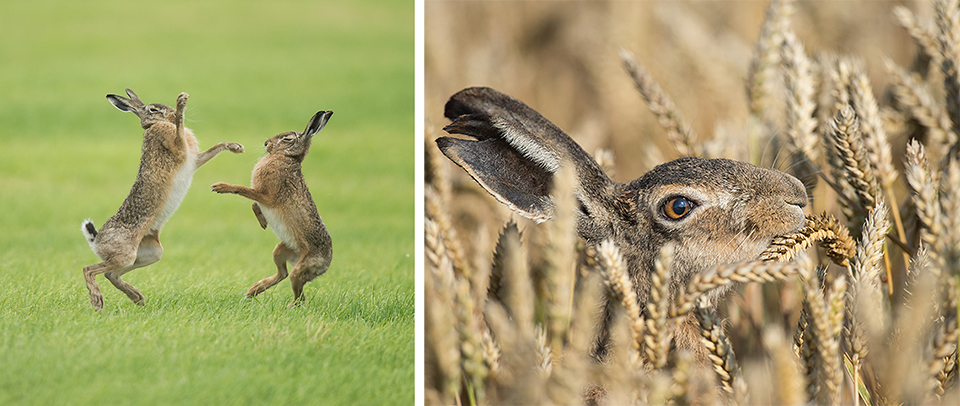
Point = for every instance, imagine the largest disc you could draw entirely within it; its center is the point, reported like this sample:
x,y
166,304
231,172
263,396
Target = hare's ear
x,y
121,103
134,97
316,123
517,152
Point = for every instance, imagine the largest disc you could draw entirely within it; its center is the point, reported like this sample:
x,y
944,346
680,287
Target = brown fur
x,y
279,191
738,207
131,238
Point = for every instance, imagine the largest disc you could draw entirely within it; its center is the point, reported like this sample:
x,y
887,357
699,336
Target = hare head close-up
x,y
294,144
714,211
148,113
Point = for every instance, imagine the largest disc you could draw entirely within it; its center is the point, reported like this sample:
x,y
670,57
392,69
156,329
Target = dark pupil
x,y
680,206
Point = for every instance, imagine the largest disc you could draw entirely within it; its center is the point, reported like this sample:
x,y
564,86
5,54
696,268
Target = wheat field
x,y
858,100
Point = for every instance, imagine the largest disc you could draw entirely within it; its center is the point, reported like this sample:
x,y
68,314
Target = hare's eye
x,y
677,208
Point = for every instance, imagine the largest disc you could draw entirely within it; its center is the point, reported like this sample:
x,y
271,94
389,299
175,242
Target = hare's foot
x,y
264,284
90,277
235,147
221,187
96,300
281,254
128,289
296,302
182,101
256,289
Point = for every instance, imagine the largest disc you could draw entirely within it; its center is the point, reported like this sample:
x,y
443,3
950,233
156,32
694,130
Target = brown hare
x,y
715,211
131,238
282,200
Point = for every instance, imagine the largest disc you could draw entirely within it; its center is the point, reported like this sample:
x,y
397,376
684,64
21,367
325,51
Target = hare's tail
x,y
89,231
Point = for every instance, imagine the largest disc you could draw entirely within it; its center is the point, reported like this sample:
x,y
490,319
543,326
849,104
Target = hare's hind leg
x,y
281,254
148,252
307,269
114,262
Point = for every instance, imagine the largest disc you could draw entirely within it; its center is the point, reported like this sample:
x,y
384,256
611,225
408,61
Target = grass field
x,y
252,70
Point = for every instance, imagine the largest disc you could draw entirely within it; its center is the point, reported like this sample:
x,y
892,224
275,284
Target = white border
x,y
419,128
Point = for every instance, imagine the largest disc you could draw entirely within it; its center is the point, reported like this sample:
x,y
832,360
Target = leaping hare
x,y
131,238
716,211
282,200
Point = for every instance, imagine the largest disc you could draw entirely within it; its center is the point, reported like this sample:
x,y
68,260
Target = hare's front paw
x,y
235,148
182,100
221,187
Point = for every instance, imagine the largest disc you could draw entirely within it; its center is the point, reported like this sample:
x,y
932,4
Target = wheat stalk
x,y
679,132
823,229
801,125
613,270
924,36
766,56
659,328
922,106
439,337
720,352
726,275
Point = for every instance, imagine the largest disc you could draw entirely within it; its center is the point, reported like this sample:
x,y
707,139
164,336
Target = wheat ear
x,y
662,106
823,229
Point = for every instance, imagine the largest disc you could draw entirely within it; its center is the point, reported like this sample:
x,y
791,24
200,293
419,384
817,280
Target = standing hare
x,y
131,238
282,200
714,211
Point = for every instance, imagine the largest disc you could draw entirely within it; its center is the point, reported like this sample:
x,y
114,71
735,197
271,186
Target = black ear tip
x,y
444,142
471,100
324,114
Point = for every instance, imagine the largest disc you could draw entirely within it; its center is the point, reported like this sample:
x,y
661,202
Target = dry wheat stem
x,y
944,340
439,337
924,35
470,327
788,381
817,337
925,194
728,274
801,125
659,328
678,131
922,106
857,169
823,229
948,243
766,57
720,351
559,269
864,297
613,270
833,365
864,271
436,209
871,125
948,41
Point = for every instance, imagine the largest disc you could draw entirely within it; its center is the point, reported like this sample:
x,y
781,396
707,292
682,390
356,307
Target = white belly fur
x,y
178,190
280,229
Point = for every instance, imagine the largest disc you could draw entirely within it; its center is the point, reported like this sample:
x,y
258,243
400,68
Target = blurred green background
x,y
253,70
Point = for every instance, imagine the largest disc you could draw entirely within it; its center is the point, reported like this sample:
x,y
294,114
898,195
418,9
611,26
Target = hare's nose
x,y
797,200
795,194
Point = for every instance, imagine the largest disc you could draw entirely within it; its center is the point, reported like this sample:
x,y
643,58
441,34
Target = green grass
x,y
253,69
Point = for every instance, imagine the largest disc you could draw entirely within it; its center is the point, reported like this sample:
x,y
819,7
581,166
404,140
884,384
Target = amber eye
x,y
677,208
